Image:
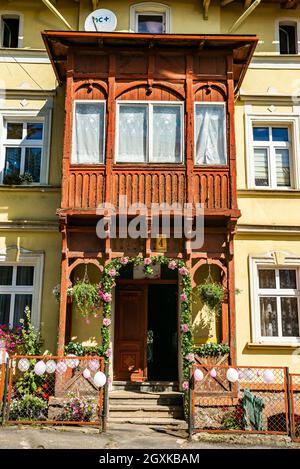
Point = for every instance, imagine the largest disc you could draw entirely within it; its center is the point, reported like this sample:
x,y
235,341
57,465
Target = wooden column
x,y
63,290
231,136
110,140
68,132
231,291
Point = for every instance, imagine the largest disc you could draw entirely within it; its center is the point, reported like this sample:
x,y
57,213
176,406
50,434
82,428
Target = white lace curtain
x,y
165,133
210,134
88,134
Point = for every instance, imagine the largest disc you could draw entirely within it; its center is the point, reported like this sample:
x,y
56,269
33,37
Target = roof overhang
x,y
60,43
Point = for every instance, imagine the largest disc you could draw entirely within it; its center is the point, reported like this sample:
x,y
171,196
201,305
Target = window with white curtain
x,y
16,292
278,302
150,132
271,165
210,134
88,132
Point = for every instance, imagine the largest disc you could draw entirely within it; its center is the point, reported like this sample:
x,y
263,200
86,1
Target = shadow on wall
x,y
206,326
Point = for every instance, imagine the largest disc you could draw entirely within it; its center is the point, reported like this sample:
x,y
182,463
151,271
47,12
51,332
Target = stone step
x,y
145,411
149,386
128,398
161,421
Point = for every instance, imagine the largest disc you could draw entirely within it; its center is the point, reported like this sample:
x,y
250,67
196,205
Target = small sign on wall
x,y
101,20
161,243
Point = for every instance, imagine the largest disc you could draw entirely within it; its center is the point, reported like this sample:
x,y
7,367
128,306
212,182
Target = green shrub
x,y
212,350
28,408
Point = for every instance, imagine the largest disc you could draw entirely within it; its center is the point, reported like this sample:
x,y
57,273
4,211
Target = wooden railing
x,y
86,186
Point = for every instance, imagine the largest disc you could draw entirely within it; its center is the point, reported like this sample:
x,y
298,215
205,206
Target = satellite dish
x,y
101,20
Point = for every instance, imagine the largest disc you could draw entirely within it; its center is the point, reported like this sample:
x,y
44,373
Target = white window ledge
x,y
273,345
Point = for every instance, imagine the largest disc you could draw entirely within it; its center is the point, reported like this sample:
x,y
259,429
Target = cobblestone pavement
x,y
124,436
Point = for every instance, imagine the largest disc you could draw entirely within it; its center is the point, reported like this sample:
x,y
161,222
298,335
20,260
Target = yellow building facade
x,y
267,120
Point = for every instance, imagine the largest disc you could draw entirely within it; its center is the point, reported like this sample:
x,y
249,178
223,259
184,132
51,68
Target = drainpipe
x,y
244,16
56,13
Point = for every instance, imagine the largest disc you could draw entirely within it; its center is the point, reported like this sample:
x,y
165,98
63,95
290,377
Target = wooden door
x,y
130,350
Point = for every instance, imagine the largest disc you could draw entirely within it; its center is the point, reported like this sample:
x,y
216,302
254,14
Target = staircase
x,y
146,403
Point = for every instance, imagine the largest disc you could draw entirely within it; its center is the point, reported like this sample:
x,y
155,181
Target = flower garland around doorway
x,y
111,271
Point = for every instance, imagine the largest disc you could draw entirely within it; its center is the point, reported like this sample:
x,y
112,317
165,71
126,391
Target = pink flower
x,y
106,322
124,260
112,272
183,297
185,327
183,271
147,261
106,297
190,357
172,265
108,352
185,385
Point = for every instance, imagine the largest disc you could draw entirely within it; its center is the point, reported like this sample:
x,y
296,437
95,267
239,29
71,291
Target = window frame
x,y
12,14
150,105
271,147
264,263
17,116
149,8
226,152
149,13
287,21
292,121
32,259
75,101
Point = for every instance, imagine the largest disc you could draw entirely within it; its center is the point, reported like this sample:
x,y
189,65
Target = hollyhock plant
x,y
172,265
185,328
106,322
183,271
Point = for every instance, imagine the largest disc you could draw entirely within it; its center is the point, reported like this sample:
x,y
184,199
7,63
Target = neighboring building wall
x,y
267,89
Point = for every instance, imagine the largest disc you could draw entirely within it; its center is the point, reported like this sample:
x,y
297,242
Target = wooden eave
x,y
59,43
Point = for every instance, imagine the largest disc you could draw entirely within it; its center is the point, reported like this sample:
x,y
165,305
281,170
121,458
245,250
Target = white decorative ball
x,y
61,367
232,375
50,366
99,379
40,368
72,362
268,376
213,373
94,365
198,375
86,373
23,365
3,356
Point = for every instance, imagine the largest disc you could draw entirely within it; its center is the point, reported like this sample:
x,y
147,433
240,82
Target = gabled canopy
x,y
59,43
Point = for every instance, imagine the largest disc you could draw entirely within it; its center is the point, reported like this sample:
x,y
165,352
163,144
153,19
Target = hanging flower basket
x,y
212,295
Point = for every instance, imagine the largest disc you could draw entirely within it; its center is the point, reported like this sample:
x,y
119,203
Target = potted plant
x,y
86,297
26,179
12,179
212,354
211,294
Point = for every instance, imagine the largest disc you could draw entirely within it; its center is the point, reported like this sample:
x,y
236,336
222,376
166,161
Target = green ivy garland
x,y
111,271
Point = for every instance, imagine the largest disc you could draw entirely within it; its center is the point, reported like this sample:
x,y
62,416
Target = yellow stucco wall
x,y
258,207
246,246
